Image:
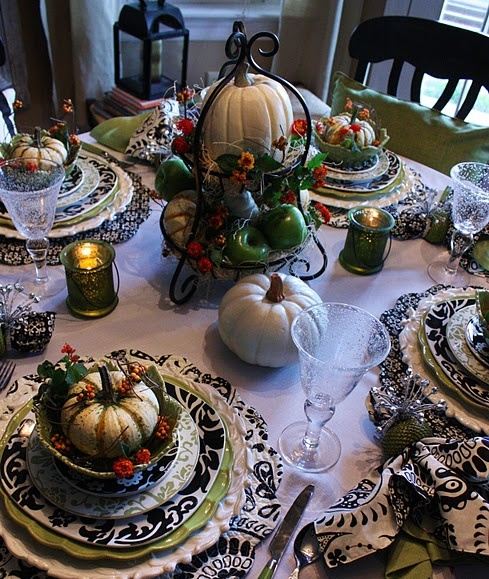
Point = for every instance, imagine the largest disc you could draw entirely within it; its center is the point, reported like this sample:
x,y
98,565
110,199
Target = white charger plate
x,y
90,182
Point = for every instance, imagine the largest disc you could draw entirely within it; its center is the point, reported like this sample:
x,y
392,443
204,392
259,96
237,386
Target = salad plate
x,y
476,340
90,183
435,326
387,179
59,491
73,181
455,332
363,175
469,414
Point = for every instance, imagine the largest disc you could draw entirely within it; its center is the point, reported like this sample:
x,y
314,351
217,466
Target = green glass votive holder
x,y
88,268
369,234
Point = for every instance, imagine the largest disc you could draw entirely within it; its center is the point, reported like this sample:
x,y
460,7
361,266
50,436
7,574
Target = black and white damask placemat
x,y
124,226
233,555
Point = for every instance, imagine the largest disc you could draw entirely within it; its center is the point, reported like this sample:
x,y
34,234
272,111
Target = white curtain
x,y
80,41
308,36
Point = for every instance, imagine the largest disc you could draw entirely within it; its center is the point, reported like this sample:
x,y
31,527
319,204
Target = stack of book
x,y
117,102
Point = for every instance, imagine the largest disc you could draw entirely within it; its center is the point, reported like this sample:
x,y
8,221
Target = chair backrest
x,y
433,48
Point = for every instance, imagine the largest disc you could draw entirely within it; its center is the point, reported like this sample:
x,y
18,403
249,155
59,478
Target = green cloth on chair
x,y
415,131
115,133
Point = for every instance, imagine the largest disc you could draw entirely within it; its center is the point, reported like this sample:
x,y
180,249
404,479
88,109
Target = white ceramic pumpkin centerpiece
x,y
256,314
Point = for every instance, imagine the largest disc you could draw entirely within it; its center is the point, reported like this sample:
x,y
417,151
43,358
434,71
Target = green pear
x,y
172,177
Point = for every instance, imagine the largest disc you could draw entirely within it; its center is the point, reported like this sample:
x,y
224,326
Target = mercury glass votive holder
x,y
89,278
369,234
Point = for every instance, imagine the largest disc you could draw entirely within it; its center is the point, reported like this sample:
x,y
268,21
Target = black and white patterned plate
x,y
435,326
476,340
72,182
132,531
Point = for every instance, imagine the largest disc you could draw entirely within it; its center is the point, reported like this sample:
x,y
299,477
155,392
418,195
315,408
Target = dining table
x,y
146,319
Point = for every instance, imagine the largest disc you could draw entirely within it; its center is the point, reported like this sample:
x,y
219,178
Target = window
x,y
473,15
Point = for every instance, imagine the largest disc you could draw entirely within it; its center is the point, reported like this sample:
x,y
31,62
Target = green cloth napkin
x,y
414,552
115,133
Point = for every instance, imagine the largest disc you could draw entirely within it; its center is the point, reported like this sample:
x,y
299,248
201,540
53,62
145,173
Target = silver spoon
x,y
306,549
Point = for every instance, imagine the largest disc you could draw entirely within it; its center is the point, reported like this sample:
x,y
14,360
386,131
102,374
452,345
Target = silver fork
x,y
7,368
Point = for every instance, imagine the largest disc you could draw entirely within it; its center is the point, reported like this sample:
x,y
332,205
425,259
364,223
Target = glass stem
x,y
459,244
38,250
317,415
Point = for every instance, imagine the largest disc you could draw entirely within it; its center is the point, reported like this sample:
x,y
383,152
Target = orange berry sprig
x,y
88,393
163,428
61,443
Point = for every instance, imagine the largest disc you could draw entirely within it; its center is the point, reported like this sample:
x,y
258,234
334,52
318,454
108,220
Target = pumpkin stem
x,y
37,137
276,292
241,76
107,386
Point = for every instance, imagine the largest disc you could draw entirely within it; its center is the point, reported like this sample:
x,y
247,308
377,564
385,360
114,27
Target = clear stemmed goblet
x,y
470,214
337,344
29,189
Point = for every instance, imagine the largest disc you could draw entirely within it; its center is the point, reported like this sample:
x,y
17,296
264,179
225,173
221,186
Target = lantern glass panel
x,y
170,62
131,61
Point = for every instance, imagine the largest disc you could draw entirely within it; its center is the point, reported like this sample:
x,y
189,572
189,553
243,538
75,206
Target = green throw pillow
x,y
115,133
415,131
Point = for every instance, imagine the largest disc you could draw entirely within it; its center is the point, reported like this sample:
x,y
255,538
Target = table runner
x,y
234,553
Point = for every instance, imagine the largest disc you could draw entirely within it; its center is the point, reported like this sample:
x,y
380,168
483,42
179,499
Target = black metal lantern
x,y
150,48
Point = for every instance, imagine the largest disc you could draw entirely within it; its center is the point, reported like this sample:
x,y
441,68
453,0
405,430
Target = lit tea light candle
x,y
88,267
87,256
366,241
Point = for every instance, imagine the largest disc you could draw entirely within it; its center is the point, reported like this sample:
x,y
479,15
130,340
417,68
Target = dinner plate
x,y
73,182
471,415
29,541
147,518
476,340
90,183
455,333
121,199
338,175
379,185
57,489
408,183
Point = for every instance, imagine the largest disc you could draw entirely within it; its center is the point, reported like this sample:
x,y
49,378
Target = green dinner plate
x,y
85,551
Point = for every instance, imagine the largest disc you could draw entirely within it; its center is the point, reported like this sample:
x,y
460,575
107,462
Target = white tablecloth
x,y
145,318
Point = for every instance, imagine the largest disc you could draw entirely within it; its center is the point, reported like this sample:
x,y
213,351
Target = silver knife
x,y
282,535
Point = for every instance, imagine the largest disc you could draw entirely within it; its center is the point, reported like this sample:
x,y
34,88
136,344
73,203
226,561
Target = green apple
x,y
248,244
284,227
172,177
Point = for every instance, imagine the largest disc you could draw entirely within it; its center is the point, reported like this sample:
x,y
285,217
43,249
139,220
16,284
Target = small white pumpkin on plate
x,y
255,317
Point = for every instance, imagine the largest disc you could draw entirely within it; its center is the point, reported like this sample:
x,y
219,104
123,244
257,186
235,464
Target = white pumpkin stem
x,y
275,293
241,77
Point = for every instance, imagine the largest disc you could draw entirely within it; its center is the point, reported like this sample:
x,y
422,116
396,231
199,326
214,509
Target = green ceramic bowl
x,y
102,469
346,157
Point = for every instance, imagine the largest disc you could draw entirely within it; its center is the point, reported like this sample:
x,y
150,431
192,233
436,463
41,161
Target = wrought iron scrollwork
x,y
239,49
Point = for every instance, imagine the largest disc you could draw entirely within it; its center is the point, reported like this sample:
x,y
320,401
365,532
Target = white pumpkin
x,y
256,314
251,110
334,130
97,428
39,147
179,218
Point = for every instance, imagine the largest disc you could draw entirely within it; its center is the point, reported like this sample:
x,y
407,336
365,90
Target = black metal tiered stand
x,y
239,50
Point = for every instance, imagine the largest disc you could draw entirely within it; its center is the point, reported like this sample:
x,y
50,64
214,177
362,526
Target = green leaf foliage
x,y
227,163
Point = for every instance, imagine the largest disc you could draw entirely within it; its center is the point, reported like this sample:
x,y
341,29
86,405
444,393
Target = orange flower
x,y
185,94
67,106
74,140
348,104
246,161
364,114
280,143
318,174
323,212
18,105
299,127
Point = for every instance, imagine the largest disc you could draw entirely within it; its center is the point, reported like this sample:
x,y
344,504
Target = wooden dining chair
x,y
431,47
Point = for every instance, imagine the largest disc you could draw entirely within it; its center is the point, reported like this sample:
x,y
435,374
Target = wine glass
x,y
29,189
470,214
337,344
